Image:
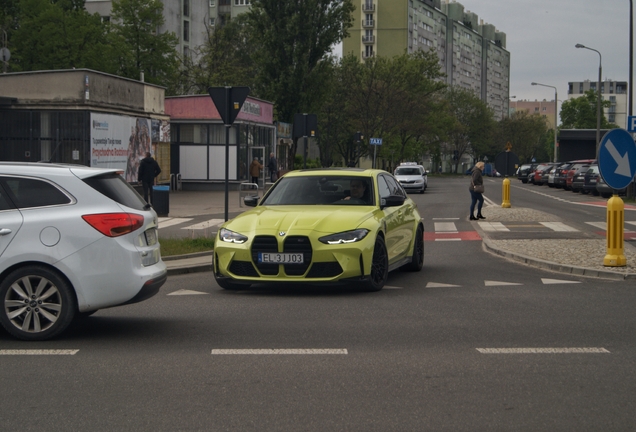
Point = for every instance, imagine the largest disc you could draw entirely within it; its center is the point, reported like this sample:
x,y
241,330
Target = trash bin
x,y
161,200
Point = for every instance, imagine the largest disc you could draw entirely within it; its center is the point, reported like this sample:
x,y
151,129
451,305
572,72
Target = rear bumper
x,y
149,289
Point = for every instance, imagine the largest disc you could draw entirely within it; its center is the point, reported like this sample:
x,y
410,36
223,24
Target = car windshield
x,y
408,171
321,190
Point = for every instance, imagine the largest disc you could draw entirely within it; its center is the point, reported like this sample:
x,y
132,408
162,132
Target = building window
x,y
212,3
242,2
186,52
212,20
186,8
186,31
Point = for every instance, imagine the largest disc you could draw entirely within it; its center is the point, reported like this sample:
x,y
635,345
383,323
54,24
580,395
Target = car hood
x,y
409,177
273,219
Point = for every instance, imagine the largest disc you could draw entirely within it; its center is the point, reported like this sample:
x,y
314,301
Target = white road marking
x,y
445,227
277,351
603,225
391,287
557,281
558,226
38,352
207,224
186,292
166,222
439,285
448,239
543,350
498,283
493,226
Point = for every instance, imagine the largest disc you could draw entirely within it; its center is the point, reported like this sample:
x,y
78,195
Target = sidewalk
x,y
583,257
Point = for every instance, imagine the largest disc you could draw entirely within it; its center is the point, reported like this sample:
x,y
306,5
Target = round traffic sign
x,y
617,158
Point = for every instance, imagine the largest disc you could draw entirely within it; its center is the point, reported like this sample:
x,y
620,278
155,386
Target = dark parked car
x,y
590,179
524,170
578,179
605,191
575,168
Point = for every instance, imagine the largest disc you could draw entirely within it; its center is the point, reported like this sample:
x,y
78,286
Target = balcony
x,y
368,39
366,54
368,7
368,23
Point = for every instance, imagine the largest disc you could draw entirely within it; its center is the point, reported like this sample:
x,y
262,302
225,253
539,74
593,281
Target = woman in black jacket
x,y
477,182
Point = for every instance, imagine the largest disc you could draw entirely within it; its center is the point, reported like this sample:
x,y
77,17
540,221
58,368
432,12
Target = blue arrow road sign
x,y
375,141
617,158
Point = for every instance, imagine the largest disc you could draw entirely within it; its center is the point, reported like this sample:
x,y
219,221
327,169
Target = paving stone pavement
x,y
575,256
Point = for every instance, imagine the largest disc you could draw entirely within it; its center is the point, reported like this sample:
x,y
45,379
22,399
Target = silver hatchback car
x,y
73,240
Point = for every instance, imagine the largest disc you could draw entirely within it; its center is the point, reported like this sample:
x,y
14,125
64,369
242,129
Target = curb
x,y
560,268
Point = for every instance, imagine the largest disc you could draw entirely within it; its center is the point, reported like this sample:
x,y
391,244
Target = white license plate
x,y
151,236
280,258
593,181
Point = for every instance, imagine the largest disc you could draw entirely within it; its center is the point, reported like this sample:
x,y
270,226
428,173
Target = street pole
x,y
556,98
631,54
598,102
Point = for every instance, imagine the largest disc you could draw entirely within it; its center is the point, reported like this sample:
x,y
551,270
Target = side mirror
x,y
392,201
251,200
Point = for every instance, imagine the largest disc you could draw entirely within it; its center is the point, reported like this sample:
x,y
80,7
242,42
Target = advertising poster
x,y
119,142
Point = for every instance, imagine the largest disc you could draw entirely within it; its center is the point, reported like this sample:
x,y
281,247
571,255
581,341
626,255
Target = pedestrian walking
x,y
476,189
148,171
273,168
255,170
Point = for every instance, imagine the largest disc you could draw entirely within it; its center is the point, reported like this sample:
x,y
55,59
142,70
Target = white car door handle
x,y
5,231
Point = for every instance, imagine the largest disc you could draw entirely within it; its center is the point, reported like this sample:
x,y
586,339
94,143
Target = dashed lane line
x,y
499,283
543,350
279,351
38,352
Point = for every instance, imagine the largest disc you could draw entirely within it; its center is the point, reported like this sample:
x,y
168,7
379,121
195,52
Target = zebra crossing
x,y
445,229
165,222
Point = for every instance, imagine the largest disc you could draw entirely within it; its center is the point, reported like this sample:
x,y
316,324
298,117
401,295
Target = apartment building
x,y
613,91
545,108
189,20
471,53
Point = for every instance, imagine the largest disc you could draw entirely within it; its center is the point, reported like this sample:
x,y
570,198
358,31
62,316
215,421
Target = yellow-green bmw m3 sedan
x,y
322,226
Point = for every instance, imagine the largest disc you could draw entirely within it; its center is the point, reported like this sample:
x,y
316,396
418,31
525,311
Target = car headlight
x,y
231,237
345,237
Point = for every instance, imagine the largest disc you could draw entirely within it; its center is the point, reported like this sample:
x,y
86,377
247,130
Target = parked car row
x,y
578,176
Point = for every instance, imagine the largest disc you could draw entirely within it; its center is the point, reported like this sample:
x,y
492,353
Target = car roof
x,y
46,168
357,172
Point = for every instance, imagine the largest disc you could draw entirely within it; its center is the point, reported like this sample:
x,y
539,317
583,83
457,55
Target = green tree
x,y
416,114
224,60
290,40
474,124
136,44
580,113
56,35
526,133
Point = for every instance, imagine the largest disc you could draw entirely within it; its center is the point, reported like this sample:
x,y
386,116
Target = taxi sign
x,y
617,158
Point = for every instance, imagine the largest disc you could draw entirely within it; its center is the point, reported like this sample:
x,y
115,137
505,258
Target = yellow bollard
x,y
505,193
615,256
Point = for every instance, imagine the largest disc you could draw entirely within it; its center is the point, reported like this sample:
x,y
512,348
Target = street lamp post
x,y
598,102
555,116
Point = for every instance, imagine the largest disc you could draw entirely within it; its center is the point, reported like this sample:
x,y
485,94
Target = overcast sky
x,y
541,35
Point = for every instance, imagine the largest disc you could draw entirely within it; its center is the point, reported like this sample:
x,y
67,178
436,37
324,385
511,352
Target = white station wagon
x,y
73,240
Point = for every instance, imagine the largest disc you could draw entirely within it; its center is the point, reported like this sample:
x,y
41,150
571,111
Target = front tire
x,y
37,304
379,267
417,262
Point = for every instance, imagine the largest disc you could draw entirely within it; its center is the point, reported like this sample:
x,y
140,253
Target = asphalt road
x,y
472,343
